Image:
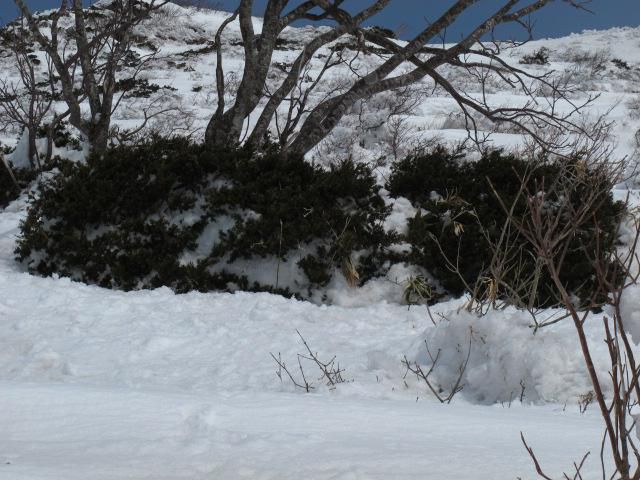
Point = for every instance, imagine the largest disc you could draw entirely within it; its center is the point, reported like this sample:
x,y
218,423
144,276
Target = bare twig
x,y
437,390
332,373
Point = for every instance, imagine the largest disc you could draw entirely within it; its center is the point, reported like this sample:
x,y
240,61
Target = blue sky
x,y
556,20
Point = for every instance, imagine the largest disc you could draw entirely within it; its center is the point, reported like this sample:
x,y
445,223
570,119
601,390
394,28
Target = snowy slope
x,y
184,60
151,385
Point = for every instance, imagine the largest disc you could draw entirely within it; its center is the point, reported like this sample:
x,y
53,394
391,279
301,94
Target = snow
x,y
508,360
115,434
106,384
111,385
630,311
19,158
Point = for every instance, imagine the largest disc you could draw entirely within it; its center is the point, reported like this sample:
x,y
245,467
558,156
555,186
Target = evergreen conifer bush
x,y
539,57
139,217
460,219
126,218
61,138
8,189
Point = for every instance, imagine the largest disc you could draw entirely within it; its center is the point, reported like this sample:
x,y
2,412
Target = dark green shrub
x,y
139,87
460,218
95,222
8,189
62,137
385,32
339,210
621,64
539,57
125,218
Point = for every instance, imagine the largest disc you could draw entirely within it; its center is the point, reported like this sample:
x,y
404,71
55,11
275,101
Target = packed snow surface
x,y
99,384
79,432
151,385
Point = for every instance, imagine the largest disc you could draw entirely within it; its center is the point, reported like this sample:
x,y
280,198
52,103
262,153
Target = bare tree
x,y
26,102
399,135
401,64
87,62
299,99
164,116
227,126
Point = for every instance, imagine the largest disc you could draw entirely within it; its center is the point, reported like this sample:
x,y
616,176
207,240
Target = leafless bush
x,y
577,475
593,142
399,135
594,62
331,372
382,121
549,227
166,12
163,115
478,123
508,278
585,400
633,106
453,121
581,74
442,393
338,144
301,383
422,143
569,81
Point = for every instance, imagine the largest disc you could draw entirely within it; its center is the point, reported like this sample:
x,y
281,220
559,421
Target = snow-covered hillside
x,y
111,385
183,59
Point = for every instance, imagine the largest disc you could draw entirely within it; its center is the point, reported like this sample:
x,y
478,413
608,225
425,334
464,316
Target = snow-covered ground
x,y
53,431
112,385
103,384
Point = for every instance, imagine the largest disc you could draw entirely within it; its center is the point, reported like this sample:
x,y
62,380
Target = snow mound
x,y
507,361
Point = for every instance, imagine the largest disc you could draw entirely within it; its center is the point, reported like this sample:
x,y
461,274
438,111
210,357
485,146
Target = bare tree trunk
x,y
226,128
49,153
110,41
276,99
98,136
34,157
349,25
